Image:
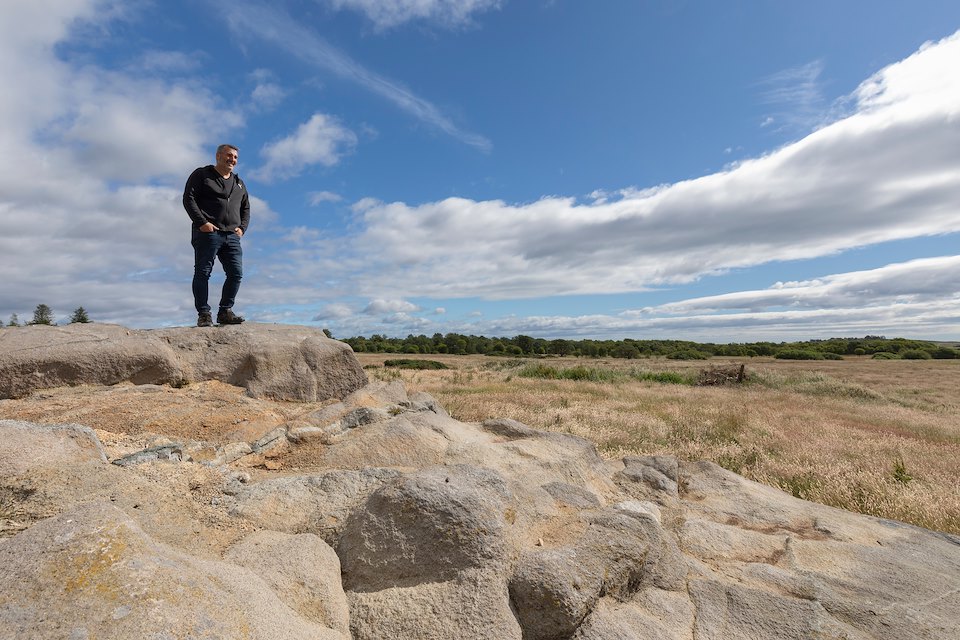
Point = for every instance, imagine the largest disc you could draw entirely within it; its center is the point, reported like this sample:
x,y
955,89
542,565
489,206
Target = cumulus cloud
x,y
381,306
386,14
320,140
335,311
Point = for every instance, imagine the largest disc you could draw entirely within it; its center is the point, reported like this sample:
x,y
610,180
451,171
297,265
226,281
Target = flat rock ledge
x,y
387,518
282,362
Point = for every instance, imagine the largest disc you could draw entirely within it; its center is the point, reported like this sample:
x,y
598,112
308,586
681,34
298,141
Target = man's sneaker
x,y
204,319
226,316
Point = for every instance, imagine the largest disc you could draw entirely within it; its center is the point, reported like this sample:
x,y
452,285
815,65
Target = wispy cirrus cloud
x,y
274,26
386,14
795,96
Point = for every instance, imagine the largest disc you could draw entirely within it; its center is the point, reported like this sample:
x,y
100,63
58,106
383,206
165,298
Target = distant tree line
x,y
43,314
526,346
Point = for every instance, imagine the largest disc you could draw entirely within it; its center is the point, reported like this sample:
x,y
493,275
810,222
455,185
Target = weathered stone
x,y
164,453
649,476
302,570
25,446
94,573
317,504
472,605
571,495
42,356
285,362
426,527
362,416
508,428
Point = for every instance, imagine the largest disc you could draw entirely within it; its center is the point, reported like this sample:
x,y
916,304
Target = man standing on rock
x,y
216,201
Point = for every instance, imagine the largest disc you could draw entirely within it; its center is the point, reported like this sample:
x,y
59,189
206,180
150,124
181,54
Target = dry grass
x,y
876,437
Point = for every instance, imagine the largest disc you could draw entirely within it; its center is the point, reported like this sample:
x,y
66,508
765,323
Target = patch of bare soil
x,y
126,415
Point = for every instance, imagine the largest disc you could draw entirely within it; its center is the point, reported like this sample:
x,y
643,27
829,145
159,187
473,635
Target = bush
x,y
884,355
829,355
539,371
915,354
945,353
415,364
687,354
799,354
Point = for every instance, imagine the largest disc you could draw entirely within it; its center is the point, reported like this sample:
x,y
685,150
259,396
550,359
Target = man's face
x,y
227,159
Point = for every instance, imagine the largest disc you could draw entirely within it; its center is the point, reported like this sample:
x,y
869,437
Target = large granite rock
x,y
285,362
398,521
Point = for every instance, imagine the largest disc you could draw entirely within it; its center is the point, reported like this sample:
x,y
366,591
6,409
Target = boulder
x,y
426,526
44,356
284,362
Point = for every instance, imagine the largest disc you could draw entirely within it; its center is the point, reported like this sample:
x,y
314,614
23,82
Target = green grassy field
x,y
879,437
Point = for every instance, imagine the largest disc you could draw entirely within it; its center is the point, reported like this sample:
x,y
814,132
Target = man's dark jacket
x,y
209,197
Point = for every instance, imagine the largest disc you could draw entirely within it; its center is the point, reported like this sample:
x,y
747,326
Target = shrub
x,y
884,355
945,353
687,354
414,364
829,355
915,354
539,371
799,354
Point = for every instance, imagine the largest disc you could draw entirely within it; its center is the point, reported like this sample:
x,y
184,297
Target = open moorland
x,y
878,437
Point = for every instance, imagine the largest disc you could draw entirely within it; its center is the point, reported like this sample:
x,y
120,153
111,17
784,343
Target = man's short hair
x,y
224,147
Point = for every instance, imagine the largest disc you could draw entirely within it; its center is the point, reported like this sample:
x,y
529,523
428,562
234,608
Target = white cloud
x,y
319,197
267,95
381,306
914,282
321,140
391,13
335,311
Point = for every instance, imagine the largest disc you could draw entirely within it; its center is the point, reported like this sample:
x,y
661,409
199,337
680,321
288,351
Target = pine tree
x,y
14,321
42,315
79,315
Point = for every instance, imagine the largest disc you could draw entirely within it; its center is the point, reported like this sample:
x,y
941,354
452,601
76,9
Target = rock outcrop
x,y
283,362
387,518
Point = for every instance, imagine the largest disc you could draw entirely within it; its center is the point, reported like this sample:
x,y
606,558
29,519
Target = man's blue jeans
x,y
222,245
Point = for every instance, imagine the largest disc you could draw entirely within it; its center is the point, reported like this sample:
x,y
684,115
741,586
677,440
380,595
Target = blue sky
x,y
663,169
